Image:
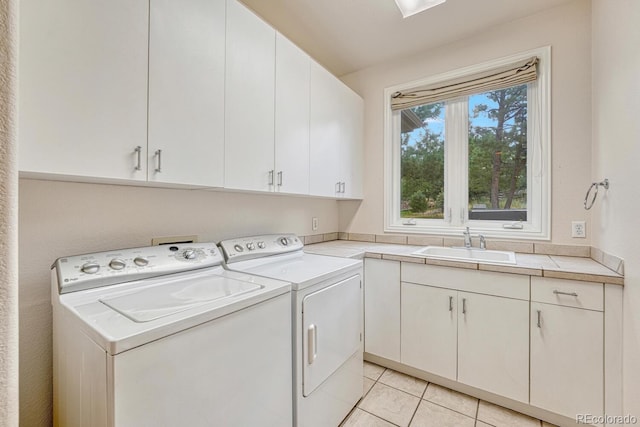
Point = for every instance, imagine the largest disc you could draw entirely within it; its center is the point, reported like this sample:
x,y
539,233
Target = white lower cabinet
x,y
567,359
535,340
429,323
382,308
493,347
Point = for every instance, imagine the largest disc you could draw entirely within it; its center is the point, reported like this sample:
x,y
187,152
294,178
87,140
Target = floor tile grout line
x,y
446,407
379,417
421,398
419,402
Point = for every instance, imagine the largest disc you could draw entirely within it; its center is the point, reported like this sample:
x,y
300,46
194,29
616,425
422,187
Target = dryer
x,y
327,301
165,336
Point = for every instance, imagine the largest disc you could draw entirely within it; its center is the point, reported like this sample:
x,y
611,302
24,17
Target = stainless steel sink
x,y
467,254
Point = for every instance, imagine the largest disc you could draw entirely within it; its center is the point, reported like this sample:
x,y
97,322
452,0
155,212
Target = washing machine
x,y
327,321
164,336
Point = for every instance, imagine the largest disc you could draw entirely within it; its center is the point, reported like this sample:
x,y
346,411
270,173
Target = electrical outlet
x,y
578,229
314,223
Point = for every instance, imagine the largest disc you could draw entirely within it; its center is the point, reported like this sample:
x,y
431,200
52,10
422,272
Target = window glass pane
x,y
498,155
422,162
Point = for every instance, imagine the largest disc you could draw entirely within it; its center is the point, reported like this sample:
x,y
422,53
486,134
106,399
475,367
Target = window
x,y
478,158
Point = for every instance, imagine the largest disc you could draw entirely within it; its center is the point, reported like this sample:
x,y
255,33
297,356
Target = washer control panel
x,y
89,271
245,248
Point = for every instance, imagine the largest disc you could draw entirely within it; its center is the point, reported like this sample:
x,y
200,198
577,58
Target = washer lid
x,y
170,298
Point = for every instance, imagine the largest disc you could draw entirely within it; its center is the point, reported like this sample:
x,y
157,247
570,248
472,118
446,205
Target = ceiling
x,y
349,35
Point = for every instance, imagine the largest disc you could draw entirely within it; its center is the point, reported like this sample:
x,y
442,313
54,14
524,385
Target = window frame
x,y
538,224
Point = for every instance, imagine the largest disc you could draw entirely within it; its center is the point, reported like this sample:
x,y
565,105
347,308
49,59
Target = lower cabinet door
x,y
493,344
428,329
382,308
567,360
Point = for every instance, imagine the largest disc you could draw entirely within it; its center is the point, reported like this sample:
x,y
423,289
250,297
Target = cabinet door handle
x,y
450,303
312,344
539,318
280,179
138,152
464,306
571,294
271,177
342,186
159,156
337,187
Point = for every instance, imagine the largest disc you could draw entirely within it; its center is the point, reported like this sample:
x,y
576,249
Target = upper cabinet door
x,y
326,132
292,118
249,97
83,88
352,134
186,92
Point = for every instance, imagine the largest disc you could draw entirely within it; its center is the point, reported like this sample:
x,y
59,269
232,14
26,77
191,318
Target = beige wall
x,y
616,155
567,30
60,218
9,217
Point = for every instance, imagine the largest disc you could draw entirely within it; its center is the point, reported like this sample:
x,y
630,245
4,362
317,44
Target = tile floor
x,y
395,399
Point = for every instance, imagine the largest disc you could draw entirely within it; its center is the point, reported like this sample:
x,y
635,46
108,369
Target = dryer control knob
x,y
261,245
140,261
90,268
251,246
117,264
284,241
189,254
238,248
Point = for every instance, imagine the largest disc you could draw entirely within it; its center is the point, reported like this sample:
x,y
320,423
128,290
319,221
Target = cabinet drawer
x,y
570,293
481,282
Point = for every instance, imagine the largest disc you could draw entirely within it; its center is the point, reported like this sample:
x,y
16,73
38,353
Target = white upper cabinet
x,y
292,118
83,88
186,92
249,101
336,137
324,169
351,144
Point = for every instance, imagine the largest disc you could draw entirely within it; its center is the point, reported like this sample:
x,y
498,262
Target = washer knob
x,y
261,245
251,246
238,248
284,241
117,264
140,261
189,254
90,268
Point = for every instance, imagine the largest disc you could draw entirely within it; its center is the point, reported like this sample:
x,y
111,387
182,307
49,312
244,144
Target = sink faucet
x,y
483,242
467,238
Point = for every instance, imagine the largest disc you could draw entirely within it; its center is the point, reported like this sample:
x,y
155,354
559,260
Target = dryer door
x,y
331,320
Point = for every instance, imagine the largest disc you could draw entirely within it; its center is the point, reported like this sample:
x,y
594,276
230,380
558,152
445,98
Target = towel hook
x,y
588,204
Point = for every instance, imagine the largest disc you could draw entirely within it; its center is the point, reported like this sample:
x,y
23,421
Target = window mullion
x,y
456,168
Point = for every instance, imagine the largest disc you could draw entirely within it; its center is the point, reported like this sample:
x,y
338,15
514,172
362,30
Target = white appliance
x,y
327,311
164,336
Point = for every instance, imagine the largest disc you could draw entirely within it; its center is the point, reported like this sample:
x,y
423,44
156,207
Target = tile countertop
x,y
561,267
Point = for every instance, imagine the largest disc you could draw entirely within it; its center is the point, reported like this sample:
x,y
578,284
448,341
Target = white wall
x,y
9,216
60,218
616,155
567,30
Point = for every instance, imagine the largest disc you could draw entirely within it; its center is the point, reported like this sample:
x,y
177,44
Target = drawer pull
x,y
571,294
